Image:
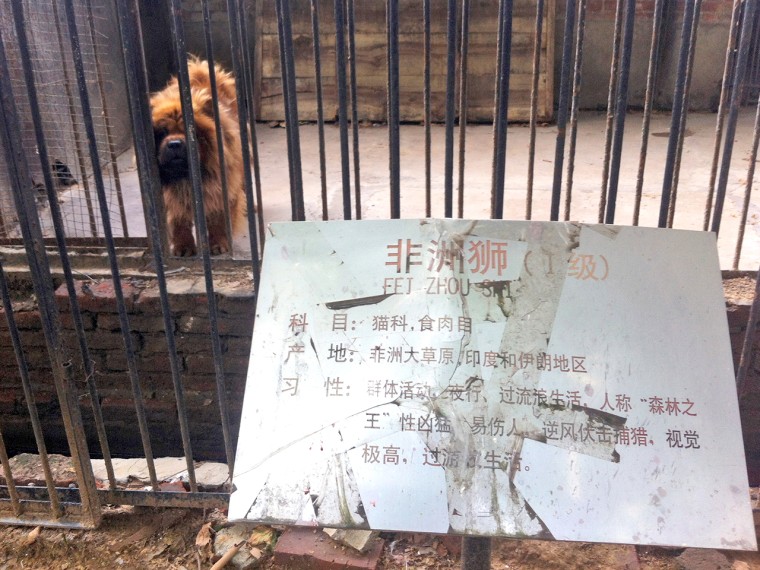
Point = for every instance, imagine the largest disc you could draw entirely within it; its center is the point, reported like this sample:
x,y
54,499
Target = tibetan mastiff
x,y
174,166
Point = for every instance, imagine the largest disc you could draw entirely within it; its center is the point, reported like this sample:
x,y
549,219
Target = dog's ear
x,y
203,103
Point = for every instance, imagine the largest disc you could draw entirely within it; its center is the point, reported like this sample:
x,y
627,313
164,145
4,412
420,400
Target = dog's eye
x,y
159,135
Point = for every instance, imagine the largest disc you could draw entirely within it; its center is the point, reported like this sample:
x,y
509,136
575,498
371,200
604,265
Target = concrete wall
x,y
710,53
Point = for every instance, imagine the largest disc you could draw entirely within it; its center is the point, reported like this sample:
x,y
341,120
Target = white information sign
x,y
520,379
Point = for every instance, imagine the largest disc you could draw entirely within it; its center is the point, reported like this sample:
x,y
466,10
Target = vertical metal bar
x,y
320,104
654,60
394,152
84,99
621,107
354,107
55,213
291,107
742,376
426,102
178,32
340,73
244,95
20,178
745,40
748,189
12,493
675,122
579,36
106,119
217,123
685,112
137,89
74,123
39,439
562,108
451,47
476,553
285,98
463,102
534,106
610,108
728,66
502,107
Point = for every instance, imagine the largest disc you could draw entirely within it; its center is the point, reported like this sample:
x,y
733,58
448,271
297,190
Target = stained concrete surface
x,y
374,179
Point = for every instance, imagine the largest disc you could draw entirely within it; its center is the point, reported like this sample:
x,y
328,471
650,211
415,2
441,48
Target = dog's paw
x,y
184,250
219,248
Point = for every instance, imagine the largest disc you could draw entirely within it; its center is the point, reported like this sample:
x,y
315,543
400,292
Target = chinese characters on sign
x,y
493,378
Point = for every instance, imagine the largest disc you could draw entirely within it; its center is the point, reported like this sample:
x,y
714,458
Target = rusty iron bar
x,y
609,126
217,123
394,146
21,181
106,118
579,37
150,190
426,102
60,239
748,348
198,500
621,108
501,107
354,106
748,187
320,104
55,507
340,72
684,114
451,61
745,40
84,99
246,119
8,474
178,34
463,103
287,68
476,553
74,122
562,109
676,114
13,495
534,106
654,60
725,88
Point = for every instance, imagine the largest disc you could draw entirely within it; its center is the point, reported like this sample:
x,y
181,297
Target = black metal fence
x,y
82,506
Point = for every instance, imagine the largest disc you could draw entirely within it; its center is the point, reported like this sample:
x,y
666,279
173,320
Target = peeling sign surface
x,y
520,379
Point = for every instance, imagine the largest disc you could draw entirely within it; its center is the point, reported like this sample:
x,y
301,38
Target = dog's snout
x,y
174,144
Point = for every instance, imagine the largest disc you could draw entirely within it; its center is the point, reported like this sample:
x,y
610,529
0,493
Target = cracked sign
x,y
520,379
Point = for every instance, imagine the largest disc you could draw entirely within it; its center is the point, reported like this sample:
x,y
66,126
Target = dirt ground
x,y
176,539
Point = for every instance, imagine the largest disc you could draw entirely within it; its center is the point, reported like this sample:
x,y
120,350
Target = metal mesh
x,y
61,115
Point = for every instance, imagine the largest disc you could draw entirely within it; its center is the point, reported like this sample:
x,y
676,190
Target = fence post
x,y
18,173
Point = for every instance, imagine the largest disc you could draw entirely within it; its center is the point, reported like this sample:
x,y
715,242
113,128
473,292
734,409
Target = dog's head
x,y
169,133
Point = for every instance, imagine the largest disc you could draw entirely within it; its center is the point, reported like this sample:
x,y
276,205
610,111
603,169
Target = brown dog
x,y
174,167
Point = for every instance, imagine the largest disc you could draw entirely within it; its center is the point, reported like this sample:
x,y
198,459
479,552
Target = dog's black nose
x,y
174,144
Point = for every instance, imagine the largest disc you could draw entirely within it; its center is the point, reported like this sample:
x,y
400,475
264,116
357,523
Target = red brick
x,y
97,297
67,321
311,548
138,323
227,326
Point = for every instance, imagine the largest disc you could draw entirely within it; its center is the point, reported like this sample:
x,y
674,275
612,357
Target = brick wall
x,y
191,325
101,322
